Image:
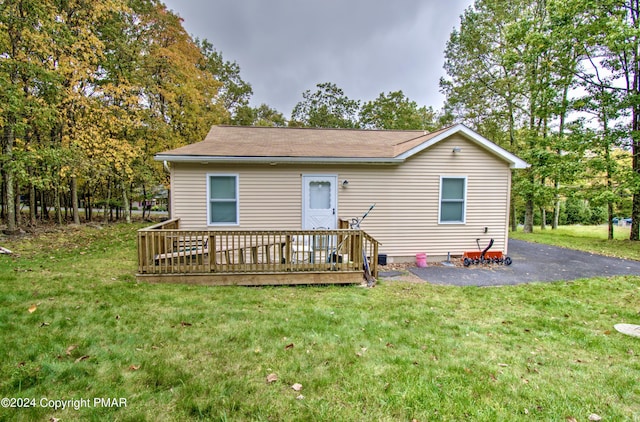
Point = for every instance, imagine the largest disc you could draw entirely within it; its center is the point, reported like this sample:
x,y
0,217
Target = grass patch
x,y
396,352
586,238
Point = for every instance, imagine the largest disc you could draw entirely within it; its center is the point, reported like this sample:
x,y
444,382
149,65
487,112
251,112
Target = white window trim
x,y
208,180
464,203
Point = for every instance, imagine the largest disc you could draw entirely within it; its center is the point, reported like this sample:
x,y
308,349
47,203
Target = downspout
x,y
168,170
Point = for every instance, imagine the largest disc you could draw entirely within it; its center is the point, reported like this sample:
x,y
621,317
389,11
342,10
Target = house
x,y
434,193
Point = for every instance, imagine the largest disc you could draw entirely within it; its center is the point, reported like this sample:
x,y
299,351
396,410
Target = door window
x,y
319,195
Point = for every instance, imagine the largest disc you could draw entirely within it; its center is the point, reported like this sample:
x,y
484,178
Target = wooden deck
x,y
167,253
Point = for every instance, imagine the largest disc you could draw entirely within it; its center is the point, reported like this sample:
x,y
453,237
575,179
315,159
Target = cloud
x,y
285,47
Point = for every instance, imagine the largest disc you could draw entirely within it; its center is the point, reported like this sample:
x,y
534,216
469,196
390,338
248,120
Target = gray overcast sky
x,y
365,47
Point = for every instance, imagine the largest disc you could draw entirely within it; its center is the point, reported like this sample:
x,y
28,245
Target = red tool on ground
x,y
483,256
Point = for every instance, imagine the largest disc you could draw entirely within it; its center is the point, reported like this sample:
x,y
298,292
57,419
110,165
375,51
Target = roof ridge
x,y
435,132
321,128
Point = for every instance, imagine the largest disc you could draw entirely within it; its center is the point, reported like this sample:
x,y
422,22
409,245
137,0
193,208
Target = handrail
x,y
166,224
179,251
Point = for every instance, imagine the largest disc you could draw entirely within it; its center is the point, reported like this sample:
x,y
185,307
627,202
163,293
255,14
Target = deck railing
x,y
167,249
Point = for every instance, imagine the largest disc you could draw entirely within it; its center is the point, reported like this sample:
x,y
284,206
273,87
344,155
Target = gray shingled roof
x,y
254,143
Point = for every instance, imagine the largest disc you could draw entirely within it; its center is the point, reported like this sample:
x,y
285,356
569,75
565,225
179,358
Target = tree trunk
x,y
125,201
610,224
144,201
635,162
107,206
17,205
529,204
74,200
56,204
12,226
635,215
87,207
634,8
556,210
32,205
528,216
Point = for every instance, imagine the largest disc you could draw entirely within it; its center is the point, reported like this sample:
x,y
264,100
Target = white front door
x,y
319,202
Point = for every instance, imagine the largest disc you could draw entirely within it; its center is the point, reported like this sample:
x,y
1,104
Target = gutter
x,y
205,159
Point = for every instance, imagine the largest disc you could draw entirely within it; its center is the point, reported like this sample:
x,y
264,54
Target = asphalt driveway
x,y
531,262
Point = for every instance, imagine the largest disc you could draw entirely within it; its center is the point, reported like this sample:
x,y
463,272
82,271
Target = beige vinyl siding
x,y
405,219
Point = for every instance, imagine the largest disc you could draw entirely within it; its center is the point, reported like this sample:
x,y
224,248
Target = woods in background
x,y
91,90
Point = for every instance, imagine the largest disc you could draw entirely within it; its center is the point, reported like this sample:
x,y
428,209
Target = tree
x,y
28,86
78,54
502,81
395,111
178,88
608,34
234,92
620,39
258,116
89,92
328,107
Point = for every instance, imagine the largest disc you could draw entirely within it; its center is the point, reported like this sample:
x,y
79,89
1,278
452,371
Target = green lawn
x,y
398,351
587,238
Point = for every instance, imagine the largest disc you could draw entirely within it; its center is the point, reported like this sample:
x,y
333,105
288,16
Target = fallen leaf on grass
x,y
595,417
571,419
361,352
71,349
297,387
272,378
32,308
81,358
134,367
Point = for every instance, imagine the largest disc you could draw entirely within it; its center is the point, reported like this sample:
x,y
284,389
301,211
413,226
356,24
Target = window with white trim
x,y
453,199
222,196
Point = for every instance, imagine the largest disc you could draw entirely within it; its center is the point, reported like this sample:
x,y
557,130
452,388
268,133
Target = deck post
x,y
142,252
374,260
287,253
212,253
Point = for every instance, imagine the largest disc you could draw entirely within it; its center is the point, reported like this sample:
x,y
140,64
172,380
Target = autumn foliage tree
x,y
89,92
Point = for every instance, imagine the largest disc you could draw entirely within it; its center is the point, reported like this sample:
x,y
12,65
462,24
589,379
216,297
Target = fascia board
x,y
514,161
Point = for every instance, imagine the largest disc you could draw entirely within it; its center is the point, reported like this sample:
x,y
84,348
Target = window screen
x,y
223,201
452,199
